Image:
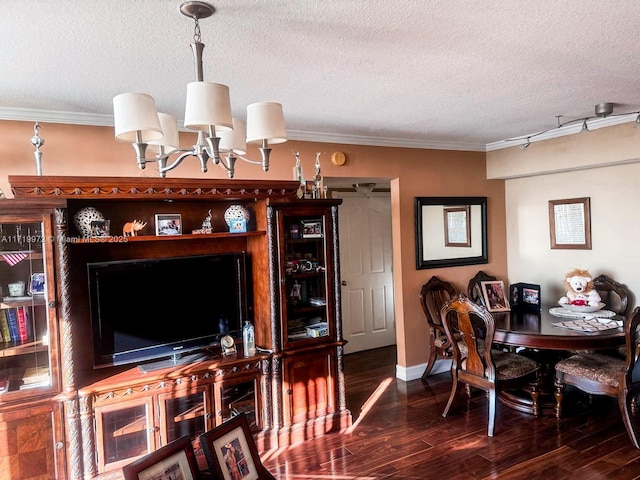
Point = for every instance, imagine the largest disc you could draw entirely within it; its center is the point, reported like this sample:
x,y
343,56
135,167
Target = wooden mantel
x,y
68,187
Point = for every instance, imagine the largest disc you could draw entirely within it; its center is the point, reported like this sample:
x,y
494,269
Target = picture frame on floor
x,y
231,452
174,460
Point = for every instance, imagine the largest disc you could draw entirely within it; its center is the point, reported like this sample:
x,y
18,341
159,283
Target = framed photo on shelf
x,y
525,296
36,284
311,229
494,296
231,451
174,460
168,224
570,223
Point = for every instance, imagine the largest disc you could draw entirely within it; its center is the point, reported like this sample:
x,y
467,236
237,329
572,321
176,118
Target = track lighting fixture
x,y
602,110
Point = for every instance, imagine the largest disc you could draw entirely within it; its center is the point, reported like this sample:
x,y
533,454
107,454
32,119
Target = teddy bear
x,y
580,289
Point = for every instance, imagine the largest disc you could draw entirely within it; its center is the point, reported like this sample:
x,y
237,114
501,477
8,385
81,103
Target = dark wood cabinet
x,y
291,389
29,353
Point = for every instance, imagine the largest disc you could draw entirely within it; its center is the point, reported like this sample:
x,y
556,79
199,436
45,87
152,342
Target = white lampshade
x,y
235,139
265,121
169,140
208,104
136,112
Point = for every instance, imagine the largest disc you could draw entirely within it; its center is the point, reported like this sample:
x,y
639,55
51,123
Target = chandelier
x,y
207,111
601,110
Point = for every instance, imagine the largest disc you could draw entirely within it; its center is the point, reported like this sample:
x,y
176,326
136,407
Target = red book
x,y
23,333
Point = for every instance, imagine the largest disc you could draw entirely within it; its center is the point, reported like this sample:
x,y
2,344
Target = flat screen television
x,y
153,308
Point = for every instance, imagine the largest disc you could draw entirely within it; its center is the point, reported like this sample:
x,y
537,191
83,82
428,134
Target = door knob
x,y
343,283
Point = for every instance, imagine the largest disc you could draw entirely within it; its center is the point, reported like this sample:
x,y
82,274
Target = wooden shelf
x,y
10,349
138,425
193,412
23,302
161,238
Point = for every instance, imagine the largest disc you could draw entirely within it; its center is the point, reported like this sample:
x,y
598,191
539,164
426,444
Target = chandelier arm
x,y
200,153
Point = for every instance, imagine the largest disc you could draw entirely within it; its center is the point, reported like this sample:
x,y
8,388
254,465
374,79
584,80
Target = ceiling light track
x,y
602,110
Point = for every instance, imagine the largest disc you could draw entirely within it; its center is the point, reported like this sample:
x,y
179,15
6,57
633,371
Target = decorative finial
x,y
37,141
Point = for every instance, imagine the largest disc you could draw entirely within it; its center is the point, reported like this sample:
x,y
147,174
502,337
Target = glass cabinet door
x,y
186,414
27,307
241,396
127,431
307,288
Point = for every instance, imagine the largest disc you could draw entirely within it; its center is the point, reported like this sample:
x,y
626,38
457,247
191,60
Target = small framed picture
x,y
231,451
168,224
174,460
237,225
494,296
311,229
36,284
100,228
525,296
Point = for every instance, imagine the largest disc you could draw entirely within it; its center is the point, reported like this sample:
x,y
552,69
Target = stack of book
x,y
15,325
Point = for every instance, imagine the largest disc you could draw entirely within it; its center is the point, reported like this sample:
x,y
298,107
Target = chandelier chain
x,y
196,30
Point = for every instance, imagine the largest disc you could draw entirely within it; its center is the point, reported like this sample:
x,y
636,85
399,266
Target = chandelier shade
x,y
265,121
208,105
170,139
235,139
136,118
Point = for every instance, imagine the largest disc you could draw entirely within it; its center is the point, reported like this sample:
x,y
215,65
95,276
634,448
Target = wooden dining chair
x,y
600,374
433,295
484,367
474,288
614,295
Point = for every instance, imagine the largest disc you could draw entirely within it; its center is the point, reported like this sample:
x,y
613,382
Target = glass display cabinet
x,y
307,271
27,310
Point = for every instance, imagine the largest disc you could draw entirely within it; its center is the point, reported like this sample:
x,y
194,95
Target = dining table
x,y
549,335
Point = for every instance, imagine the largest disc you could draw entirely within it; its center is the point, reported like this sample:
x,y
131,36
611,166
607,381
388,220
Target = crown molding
x,y
101,120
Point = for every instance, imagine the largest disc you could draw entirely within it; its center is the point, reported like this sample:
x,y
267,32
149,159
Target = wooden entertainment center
x,y
97,420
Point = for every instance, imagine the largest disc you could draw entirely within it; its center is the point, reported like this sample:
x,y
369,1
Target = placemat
x,y
590,324
563,312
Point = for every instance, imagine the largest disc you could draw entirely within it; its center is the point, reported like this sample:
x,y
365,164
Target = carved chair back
x,y
478,365
433,295
615,295
474,289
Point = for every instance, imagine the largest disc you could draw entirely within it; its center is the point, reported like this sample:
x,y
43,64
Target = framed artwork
x,y
570,223
231,451
36,284
494,296
457,227
525,296
174,460
450,231
168,224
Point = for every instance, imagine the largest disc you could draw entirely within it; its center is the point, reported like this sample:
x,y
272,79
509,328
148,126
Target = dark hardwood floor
x,y
399,432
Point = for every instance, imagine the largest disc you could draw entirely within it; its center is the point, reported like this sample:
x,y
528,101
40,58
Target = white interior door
x,y
366,263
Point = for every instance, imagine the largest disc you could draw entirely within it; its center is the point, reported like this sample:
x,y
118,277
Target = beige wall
x,y
92,151
603,165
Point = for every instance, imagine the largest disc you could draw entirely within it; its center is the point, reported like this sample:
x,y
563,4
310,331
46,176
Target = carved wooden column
x,y
72,419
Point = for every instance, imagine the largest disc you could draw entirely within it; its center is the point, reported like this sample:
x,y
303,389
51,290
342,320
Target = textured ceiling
x,y
461,74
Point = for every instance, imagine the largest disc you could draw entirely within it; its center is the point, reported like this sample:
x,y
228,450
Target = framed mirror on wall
x,y
450,231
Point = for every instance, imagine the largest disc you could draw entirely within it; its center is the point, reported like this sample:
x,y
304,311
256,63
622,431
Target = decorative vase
x,y
235,212
83,218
